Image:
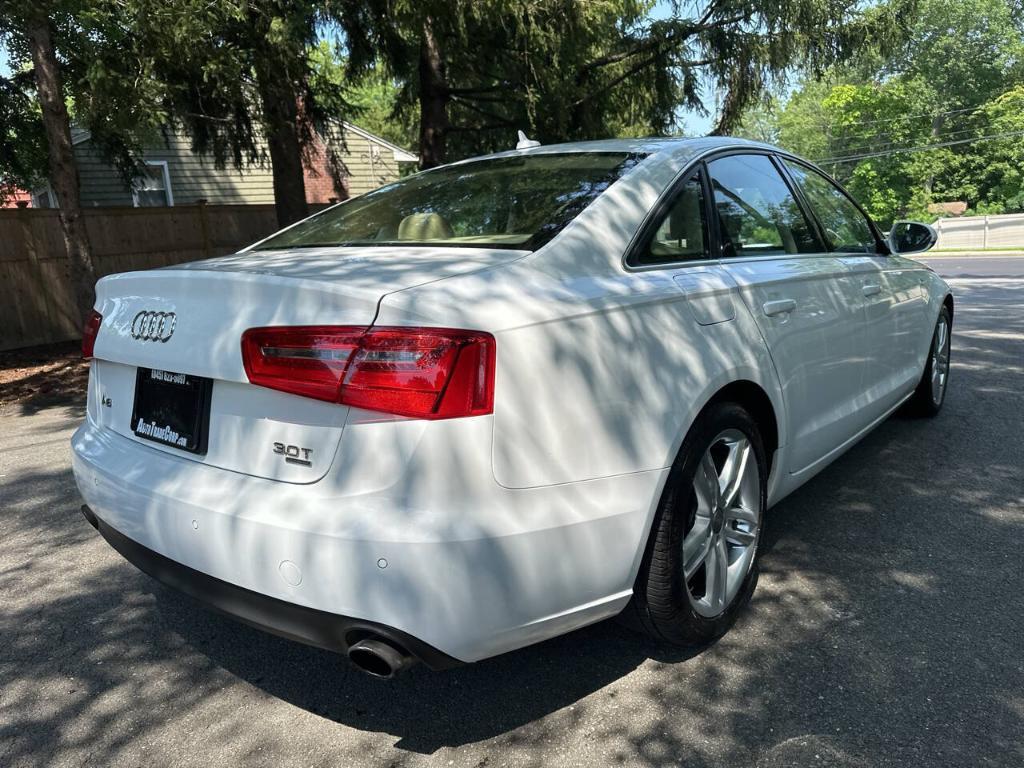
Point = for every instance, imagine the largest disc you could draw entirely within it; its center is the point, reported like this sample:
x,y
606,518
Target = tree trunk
x,y
63,169
433,100
281,116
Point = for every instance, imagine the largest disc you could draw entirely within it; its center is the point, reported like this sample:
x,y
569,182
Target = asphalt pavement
x,y
887,628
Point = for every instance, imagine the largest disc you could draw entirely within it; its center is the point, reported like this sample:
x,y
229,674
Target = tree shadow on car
x,y
858,579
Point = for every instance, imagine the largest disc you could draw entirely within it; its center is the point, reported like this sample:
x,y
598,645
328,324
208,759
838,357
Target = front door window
x,y
757,213
846,229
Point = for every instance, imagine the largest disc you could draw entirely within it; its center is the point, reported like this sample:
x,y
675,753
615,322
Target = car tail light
x,y
303,360
89,333
426,373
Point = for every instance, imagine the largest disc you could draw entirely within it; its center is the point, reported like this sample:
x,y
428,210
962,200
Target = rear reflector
x,y
89,333
425,373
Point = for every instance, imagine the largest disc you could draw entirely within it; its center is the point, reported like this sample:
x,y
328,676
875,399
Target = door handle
x,y
779,307
871,289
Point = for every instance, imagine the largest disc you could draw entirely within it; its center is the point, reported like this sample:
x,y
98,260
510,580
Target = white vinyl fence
x,y
973,232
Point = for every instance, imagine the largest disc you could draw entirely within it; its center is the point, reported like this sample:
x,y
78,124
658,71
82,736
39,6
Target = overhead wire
x,y
921,148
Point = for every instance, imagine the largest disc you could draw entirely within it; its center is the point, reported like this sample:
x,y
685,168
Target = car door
x,y
799,296
884,289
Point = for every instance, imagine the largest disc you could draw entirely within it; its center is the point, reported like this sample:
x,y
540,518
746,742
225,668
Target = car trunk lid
x,y
189,319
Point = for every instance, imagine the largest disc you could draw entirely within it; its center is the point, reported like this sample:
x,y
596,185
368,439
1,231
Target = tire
x,y
694,611
930,394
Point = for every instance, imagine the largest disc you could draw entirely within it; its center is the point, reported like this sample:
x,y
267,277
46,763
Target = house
x,y
956,208
12,197
175,175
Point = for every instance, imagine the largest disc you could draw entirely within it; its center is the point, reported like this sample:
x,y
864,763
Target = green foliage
x,y
232,71
962,52
109,88
22,139
134,68
957,77
209,60
803,122
999,165
760,123
565,70
372,98
543,66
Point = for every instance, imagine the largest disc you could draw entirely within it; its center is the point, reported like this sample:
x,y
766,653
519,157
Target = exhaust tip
x,y
379,658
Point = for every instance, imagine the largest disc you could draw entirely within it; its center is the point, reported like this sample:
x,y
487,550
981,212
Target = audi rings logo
x,y
153,326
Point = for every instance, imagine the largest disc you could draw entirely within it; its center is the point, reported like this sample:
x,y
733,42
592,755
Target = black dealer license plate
x,y
172,409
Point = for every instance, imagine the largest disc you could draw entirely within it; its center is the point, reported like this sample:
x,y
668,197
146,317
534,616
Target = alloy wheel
x,y
940,361
719,547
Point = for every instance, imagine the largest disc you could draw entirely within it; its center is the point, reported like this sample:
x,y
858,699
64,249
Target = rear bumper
x,y
294,622
442,554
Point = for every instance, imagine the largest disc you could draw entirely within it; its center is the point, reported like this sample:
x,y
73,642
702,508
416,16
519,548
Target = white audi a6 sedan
x,y
505,398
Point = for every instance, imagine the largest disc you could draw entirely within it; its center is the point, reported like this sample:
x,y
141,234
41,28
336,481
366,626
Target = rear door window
x,y
757,213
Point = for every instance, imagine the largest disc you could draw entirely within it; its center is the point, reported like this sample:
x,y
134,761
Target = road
x,y
887,628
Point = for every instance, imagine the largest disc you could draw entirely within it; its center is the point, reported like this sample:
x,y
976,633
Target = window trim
x,y
803,202
881,248
48,191
630,262
162,164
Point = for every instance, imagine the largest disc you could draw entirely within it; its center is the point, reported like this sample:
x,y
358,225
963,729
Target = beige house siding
x,y
193,177
369,164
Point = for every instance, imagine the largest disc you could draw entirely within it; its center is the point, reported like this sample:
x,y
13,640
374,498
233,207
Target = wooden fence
x,y
37,305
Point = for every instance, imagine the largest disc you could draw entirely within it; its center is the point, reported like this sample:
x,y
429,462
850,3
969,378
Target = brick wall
x,y
320,187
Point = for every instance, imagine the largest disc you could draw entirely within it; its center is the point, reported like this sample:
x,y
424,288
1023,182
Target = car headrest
x,y
424,226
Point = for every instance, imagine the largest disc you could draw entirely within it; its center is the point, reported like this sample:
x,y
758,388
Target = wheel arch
x,y
947,302
753,398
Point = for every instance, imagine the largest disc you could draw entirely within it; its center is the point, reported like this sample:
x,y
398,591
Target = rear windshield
x,y
508,202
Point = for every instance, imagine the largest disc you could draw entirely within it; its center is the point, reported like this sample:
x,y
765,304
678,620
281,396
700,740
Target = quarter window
x,y
682,234
846,229
757,214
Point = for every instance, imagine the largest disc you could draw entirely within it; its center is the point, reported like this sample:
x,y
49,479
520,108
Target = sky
x,y
695,124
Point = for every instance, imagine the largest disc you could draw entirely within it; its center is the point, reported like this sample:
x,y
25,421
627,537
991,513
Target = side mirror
x,y
911,237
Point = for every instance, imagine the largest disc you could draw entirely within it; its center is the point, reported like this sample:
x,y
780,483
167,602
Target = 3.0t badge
x,y
294,454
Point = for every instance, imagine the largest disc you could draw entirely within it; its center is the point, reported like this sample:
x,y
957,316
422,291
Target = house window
x,y
153,185
43,198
